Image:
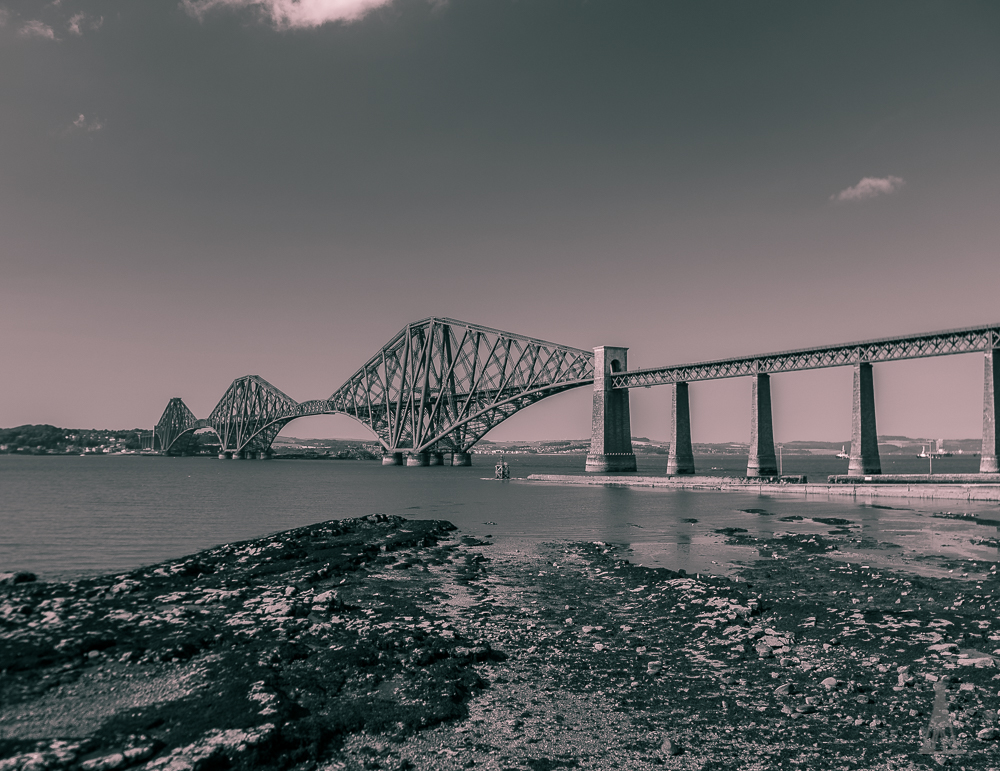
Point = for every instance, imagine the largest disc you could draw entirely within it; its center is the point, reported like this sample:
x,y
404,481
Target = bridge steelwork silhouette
x,y
440,385
432,392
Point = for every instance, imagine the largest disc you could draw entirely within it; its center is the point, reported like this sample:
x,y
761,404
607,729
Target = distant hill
x,y
45,439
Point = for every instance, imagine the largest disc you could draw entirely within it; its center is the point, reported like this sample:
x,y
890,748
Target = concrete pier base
x,y
417,459
263,455
991,439
611,428
461,459
435,459
611,462
225,456
680,459
864,436
762,461
392,459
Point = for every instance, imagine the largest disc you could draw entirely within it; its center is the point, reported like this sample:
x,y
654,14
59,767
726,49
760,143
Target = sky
x,y
194,191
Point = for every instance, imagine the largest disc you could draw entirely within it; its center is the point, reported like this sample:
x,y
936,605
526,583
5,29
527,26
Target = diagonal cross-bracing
x,y
177,419
438,385
251,414
442,384
886,349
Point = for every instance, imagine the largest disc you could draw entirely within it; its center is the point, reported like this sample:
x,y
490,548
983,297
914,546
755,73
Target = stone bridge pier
x,y
611,429
991,440
864,435
680,459
762,461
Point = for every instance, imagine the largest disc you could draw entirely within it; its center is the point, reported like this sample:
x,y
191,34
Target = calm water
x,y
69,516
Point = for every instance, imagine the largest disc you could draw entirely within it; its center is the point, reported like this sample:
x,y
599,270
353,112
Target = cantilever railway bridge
x,y
440,385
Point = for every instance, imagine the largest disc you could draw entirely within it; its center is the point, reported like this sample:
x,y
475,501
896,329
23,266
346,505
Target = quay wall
x,y
862,490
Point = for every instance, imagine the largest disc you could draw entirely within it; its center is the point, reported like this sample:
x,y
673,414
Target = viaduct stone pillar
x,y
864,437
991,440
611,436
680,460
762,462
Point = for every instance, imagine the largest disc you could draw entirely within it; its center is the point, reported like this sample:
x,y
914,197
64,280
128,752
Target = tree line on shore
x,y
45,438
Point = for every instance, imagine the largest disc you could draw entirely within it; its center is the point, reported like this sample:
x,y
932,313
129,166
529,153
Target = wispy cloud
x,y
869,187
287,14
82,124
4,13
80,22
37,29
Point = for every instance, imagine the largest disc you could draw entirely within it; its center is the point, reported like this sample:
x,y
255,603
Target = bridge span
x,y
431,392
611,444
440,385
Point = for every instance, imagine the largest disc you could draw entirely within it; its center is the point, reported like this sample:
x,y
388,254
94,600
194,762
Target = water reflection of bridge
x,y
440,385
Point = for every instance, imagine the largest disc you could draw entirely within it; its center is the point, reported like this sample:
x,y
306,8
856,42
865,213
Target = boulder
x,y
19,577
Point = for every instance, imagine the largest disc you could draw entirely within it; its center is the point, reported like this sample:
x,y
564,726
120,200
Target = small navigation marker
x,y
503,470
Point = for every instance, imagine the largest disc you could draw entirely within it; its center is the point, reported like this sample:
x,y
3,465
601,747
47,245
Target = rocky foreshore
x,y
384,643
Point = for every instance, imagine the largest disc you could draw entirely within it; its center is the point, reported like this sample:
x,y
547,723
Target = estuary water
x,y
68,516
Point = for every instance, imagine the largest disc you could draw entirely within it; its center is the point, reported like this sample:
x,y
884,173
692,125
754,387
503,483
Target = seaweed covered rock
x,y
265,653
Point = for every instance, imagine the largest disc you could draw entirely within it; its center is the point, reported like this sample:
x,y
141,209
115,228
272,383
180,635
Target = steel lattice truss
x,y
438,385
442,384
251,414
177,419
886,349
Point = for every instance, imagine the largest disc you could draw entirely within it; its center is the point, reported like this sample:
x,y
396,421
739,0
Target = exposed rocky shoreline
x,y
381,642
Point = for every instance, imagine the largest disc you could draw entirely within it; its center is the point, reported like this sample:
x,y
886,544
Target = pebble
x,y
670,747
830,683
988,735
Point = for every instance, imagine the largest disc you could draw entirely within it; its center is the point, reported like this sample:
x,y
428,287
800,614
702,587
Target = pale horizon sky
x,y
195,191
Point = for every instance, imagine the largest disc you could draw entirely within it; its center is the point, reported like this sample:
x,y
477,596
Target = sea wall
x,y
860,489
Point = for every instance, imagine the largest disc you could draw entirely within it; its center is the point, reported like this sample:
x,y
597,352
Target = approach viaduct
x,y
440,385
